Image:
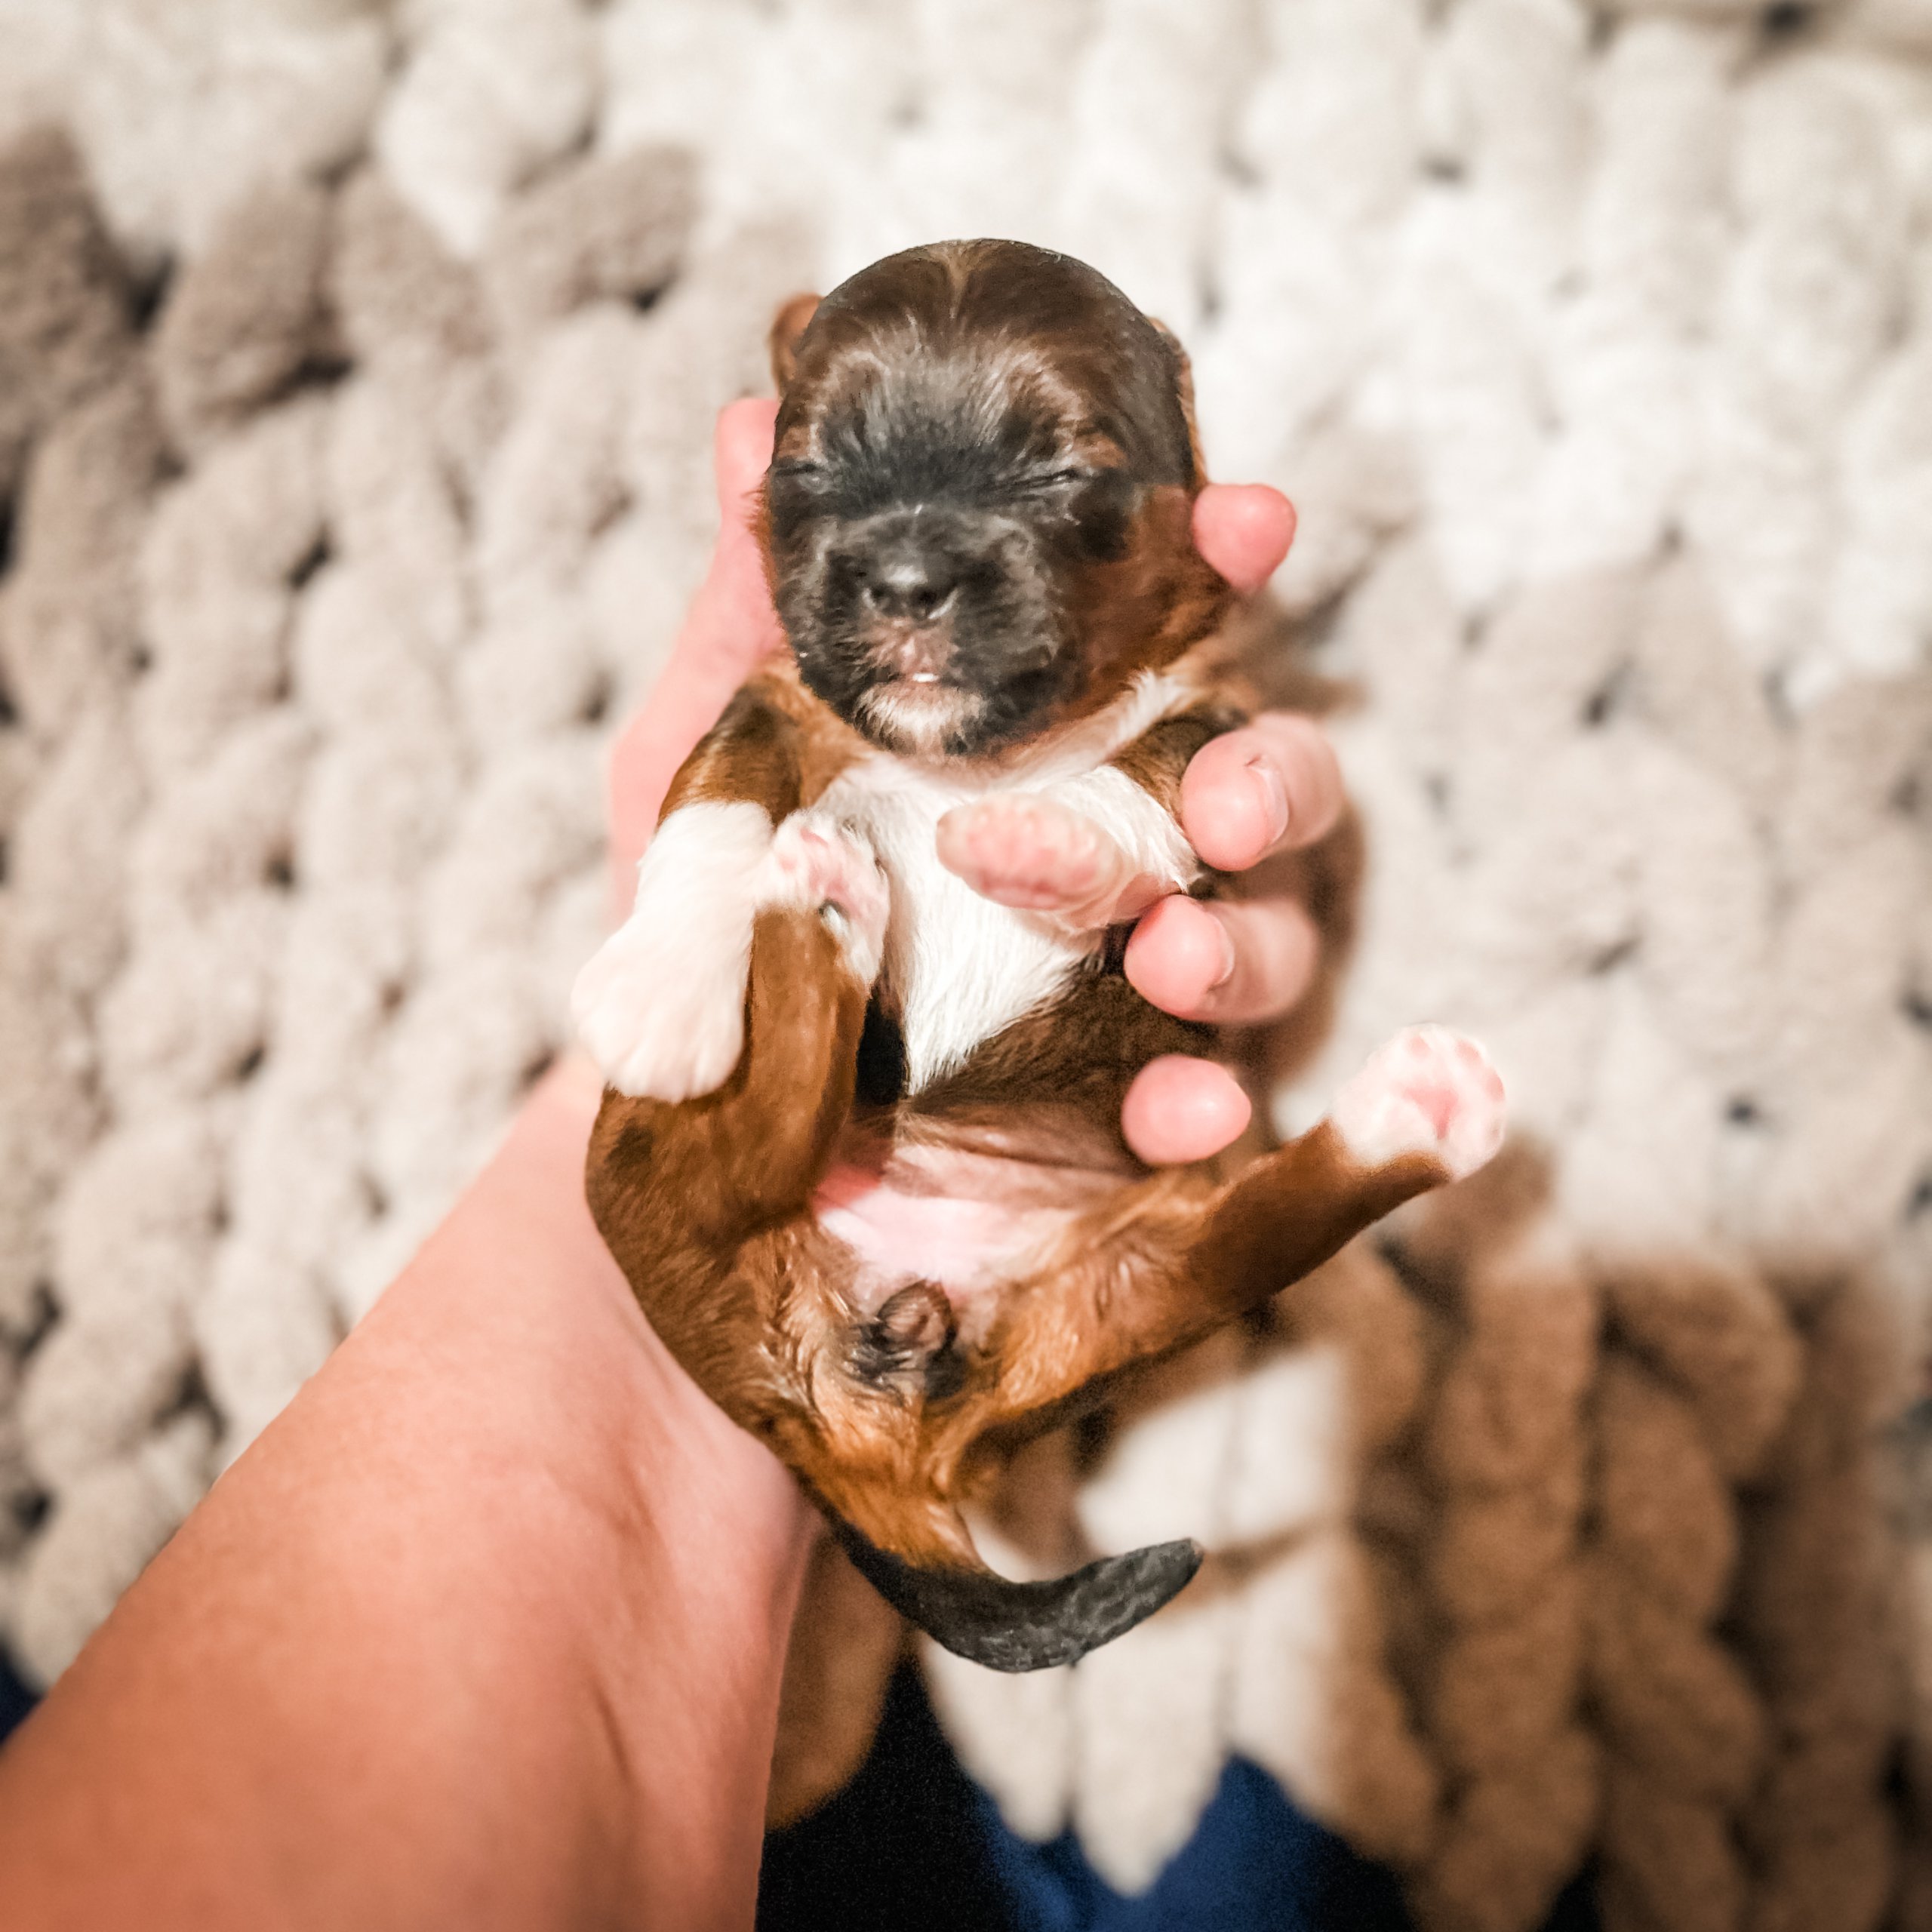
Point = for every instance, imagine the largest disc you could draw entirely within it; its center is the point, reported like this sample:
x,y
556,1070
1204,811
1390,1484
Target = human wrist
x,y
683,1592
521,1247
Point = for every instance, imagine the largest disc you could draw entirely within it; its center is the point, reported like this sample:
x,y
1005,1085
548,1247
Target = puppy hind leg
x,y
1177,1259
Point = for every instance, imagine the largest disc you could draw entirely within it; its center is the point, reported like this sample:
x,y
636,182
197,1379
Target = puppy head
x,y
978,518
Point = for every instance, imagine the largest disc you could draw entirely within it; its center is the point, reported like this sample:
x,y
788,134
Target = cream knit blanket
x,y
356,371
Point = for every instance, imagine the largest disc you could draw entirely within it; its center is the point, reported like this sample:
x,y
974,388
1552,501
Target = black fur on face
x,y
967,450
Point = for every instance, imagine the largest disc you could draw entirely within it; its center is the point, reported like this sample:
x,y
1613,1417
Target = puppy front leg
x,y
1185,1255
660,1006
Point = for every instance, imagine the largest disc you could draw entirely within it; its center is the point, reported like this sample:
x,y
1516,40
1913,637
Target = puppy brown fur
x,y
861,1156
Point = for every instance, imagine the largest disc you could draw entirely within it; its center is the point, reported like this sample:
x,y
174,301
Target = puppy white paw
x,y
1428,1091
661,1005
826,867
659,1026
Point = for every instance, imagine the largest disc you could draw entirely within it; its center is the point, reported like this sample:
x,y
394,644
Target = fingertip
x,y
1244,531
1234,963
1273,785
1177,955
1179,1109
1234,802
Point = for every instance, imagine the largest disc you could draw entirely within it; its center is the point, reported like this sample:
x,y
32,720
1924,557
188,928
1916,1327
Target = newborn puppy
x,y
865,1035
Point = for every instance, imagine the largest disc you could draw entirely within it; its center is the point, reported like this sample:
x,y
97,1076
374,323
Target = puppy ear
x,y
787,327
1184,386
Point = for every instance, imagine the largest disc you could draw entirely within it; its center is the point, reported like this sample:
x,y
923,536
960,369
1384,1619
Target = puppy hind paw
x,y
1429,1090
819,865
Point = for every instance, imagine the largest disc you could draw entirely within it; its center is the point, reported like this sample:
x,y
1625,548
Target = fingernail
x,y
1274,797
1227,971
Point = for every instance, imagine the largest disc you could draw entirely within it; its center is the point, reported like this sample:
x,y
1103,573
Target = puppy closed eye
x,y
796,491
1112,477
799,470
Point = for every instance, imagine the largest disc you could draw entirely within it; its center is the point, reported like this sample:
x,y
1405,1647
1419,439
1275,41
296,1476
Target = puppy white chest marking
x,y
661,1005
961,968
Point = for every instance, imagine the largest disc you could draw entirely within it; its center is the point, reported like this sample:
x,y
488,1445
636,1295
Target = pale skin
x,y
486,1630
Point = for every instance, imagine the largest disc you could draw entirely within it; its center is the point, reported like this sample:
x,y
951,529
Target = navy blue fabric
x,y
16,1700
911,1843
1255,1864
902,1845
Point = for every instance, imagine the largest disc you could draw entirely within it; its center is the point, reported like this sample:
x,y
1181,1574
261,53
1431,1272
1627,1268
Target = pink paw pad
x,y
815,864
1428,1091
1027,852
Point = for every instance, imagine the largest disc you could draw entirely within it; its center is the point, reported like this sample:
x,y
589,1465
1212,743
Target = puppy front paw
x,y
826,867
1429,1091
1024,849
661,1005
658,1029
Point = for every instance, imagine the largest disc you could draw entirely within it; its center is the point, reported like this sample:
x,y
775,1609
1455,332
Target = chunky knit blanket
x,y
356,367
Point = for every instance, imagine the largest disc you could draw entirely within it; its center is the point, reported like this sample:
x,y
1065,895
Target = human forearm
x,y
487,1629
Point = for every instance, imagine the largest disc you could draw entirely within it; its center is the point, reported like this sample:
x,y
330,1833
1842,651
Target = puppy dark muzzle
x,y
908,588
932,626
907,578
922,566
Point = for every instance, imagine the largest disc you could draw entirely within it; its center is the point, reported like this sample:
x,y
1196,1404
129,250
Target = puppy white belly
x,y
962,1244
961,968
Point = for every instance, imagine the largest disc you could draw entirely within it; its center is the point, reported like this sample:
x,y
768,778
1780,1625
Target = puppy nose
x,y
911,584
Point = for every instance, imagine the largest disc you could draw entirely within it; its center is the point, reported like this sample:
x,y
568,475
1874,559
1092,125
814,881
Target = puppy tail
x,y
1006,1625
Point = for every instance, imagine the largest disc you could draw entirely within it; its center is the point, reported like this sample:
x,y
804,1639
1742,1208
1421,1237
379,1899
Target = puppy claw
x,y
816,863
1428,1091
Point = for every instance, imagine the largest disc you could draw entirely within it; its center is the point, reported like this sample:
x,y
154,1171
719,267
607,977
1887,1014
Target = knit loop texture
x,y
357,366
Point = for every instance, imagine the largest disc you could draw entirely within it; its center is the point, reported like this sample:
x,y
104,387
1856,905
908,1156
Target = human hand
x,y
1273,786
729,629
